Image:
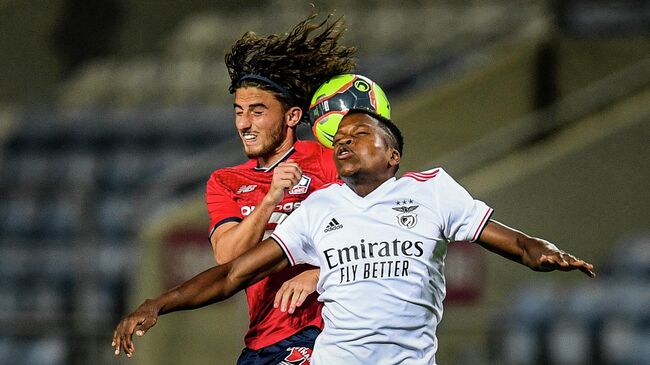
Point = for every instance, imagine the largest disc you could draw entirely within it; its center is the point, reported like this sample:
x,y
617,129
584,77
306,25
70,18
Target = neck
x,y
364,185
276,154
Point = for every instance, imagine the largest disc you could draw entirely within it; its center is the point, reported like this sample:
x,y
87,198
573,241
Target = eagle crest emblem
x,y
406,218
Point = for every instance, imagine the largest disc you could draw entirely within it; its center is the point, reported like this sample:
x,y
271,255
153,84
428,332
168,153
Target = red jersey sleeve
x,y
221,204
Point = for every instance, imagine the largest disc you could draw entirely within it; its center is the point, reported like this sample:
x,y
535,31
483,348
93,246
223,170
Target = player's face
x,y
360,147
260,121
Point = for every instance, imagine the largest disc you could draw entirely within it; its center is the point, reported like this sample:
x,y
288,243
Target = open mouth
x,y
343,153
249,137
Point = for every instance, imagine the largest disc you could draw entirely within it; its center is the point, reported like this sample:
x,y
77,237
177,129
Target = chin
x,y
346,172
253,149
251,153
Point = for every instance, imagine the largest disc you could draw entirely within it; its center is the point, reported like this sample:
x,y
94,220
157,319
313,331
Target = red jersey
x,y
232,194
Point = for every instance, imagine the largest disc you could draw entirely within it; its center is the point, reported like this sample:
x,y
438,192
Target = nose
x,y
243,122
346,140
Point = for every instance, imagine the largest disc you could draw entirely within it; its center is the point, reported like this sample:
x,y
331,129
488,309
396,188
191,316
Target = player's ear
x,y
292,116
394,157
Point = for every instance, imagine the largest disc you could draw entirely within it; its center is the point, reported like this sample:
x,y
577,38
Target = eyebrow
x,y
252,106
353,129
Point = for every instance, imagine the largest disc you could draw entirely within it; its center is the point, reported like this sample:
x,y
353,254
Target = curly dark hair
x,y
295,63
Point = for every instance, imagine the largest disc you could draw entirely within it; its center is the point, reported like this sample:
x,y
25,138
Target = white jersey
x,y
381,260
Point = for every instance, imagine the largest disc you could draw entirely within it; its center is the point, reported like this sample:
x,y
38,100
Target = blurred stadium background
x,y
113,113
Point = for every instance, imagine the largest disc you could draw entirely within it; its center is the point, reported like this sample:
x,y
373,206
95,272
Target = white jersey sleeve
x,y
463,217
294,238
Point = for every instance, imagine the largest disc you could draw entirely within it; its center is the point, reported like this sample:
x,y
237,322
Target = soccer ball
x,y
336,97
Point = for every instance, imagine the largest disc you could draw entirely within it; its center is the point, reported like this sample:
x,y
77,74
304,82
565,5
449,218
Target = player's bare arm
x,y
294,292
210,286
232,239
536,253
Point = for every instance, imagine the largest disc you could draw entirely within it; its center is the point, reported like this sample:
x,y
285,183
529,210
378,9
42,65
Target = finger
x,y
570,257
294,298
588,272
292,177
278,296
131,348
292,169
567,263
550,263
293,163
127,345
297,300
126,335
558,260
118,339
116,345
287,179
585,267
145,326
123,346
286,297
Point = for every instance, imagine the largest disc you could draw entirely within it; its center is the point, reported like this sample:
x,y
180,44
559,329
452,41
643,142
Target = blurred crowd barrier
x,y
603,322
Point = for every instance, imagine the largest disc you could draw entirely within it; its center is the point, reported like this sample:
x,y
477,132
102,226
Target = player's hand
x,y
556,259
294,291
285,176
137,322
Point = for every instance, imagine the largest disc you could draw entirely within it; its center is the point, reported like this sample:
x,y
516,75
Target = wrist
x,y
271,199
155,305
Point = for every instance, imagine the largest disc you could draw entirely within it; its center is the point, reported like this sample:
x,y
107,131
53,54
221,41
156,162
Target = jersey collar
x,y
282,159
378,192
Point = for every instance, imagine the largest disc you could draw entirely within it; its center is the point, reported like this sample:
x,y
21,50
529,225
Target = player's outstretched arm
x,y
536,253
210,286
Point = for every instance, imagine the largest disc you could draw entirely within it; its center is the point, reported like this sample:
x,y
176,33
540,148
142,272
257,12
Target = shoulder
x,y
246,166
309,146
229,174
424,176
312,149
436,179
326,192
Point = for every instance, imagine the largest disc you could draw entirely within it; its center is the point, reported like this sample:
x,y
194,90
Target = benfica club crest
x,y
407,218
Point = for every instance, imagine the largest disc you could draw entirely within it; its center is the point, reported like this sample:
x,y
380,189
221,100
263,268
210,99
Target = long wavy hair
x,y
300,60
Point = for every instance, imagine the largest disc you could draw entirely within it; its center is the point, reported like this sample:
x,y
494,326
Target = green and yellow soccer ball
x,y
337,96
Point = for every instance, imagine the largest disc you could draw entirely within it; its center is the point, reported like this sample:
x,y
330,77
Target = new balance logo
x,y
246,189
333,225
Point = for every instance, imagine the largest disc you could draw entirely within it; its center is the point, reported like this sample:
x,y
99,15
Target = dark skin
x,y
365,159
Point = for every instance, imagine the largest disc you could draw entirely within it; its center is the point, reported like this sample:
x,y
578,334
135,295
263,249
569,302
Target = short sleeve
x,y
463,216
221,204
294,237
